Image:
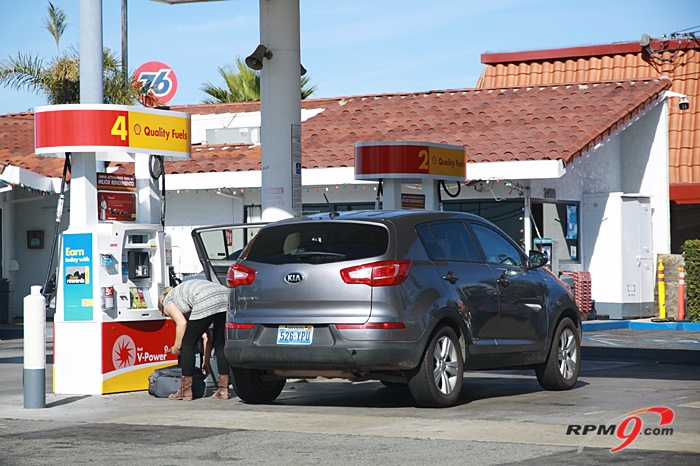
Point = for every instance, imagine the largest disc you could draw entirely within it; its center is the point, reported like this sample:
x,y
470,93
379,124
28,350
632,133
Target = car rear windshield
x,y
318,243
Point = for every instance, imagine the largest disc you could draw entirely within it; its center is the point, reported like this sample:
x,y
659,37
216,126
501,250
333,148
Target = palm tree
x,y
243,85
59,79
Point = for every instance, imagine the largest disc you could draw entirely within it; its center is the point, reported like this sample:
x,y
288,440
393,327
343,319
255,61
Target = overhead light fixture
x,y
645,43
255,60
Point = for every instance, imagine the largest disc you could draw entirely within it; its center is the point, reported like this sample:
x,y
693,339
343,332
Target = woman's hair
x,y
162,296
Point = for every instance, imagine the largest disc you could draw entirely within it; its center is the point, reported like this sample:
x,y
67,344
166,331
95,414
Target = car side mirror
x,y
537,259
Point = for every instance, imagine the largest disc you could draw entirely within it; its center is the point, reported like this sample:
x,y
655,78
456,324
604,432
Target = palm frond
x,y
56,23
59,80
22,72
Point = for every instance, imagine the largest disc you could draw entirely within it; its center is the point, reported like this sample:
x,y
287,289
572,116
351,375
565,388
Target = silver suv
x,y
409,298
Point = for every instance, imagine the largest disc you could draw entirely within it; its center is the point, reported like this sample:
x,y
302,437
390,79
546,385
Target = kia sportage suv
x,y
409,298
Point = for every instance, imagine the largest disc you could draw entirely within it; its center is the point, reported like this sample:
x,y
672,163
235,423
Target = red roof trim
x,y
685,193
581,52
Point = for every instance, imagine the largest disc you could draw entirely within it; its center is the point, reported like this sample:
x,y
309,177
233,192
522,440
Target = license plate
x,y
295,335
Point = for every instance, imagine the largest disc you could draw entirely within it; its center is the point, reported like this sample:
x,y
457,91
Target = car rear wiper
x,y
319,253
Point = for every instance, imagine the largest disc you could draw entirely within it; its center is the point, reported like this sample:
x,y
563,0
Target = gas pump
x,y
394,163
113,264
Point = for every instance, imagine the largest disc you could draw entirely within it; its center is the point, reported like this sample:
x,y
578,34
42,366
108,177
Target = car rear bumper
x,y
329,352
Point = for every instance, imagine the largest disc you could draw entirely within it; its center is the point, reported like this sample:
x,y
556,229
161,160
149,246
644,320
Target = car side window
x,y
448,241
497,248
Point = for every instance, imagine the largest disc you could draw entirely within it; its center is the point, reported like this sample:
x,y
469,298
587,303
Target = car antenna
x,y
333,214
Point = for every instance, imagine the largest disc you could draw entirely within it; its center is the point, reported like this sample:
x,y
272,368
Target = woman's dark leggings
x,y
193,332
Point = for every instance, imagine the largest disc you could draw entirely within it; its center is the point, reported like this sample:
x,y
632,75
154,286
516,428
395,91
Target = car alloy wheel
x,y
446,366
568,354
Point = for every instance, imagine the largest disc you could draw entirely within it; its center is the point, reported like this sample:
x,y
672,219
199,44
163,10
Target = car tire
x,y
252,388
437,381
560,370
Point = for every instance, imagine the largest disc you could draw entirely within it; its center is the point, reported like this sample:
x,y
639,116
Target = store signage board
x,y
409,160
111,128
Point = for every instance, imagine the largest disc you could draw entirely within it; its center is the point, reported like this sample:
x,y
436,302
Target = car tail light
x,y
372,326
239,275
237,326
384,273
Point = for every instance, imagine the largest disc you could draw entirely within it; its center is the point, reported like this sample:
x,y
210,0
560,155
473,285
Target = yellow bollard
x,y
662,291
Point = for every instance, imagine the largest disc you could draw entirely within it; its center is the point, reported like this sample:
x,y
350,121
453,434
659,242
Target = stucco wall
x,y
645,167
22,212
598,171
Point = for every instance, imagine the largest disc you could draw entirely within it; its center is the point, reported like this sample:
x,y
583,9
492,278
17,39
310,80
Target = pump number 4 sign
x,y
107,128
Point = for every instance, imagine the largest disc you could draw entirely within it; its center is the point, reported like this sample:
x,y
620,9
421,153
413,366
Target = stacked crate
x,y
582,291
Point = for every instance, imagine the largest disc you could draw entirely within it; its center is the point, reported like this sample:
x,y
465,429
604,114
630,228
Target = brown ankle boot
x,y
185,391
222,392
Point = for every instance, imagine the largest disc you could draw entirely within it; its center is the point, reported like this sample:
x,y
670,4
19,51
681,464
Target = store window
x,y
555,220
508,215
311,209
558,221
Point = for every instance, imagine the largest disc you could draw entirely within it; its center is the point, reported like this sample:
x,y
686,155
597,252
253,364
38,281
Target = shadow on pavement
x,y
648,355
67,401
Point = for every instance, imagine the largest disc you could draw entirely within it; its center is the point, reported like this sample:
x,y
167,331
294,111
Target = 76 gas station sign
x,y
104,128
159,78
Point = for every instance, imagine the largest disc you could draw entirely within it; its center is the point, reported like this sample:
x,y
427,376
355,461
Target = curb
x,y
596,325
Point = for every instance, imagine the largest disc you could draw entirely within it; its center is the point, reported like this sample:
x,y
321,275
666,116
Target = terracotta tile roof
x,y
17,146
552,122
218,158
678,60
533,123
240,107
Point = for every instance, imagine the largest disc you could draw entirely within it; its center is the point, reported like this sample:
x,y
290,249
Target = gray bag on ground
x,y
166,381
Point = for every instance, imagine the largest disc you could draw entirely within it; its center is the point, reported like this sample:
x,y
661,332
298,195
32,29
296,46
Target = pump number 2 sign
x,y
105,128
409,160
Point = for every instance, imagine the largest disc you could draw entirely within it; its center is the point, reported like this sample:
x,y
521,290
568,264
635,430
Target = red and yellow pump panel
x,y
409,160
111,128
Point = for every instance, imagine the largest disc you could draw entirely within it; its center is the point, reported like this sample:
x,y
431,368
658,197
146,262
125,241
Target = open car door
x,y
219,246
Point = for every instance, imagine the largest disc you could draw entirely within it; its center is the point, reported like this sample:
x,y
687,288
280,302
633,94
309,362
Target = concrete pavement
x,y
501,418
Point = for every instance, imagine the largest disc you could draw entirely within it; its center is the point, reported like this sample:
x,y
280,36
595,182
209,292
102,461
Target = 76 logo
x,y
157,81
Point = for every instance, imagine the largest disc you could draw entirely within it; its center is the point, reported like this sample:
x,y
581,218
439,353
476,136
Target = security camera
x,y
683,103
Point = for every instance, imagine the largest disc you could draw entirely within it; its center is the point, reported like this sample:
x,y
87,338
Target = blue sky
x,y
349,47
